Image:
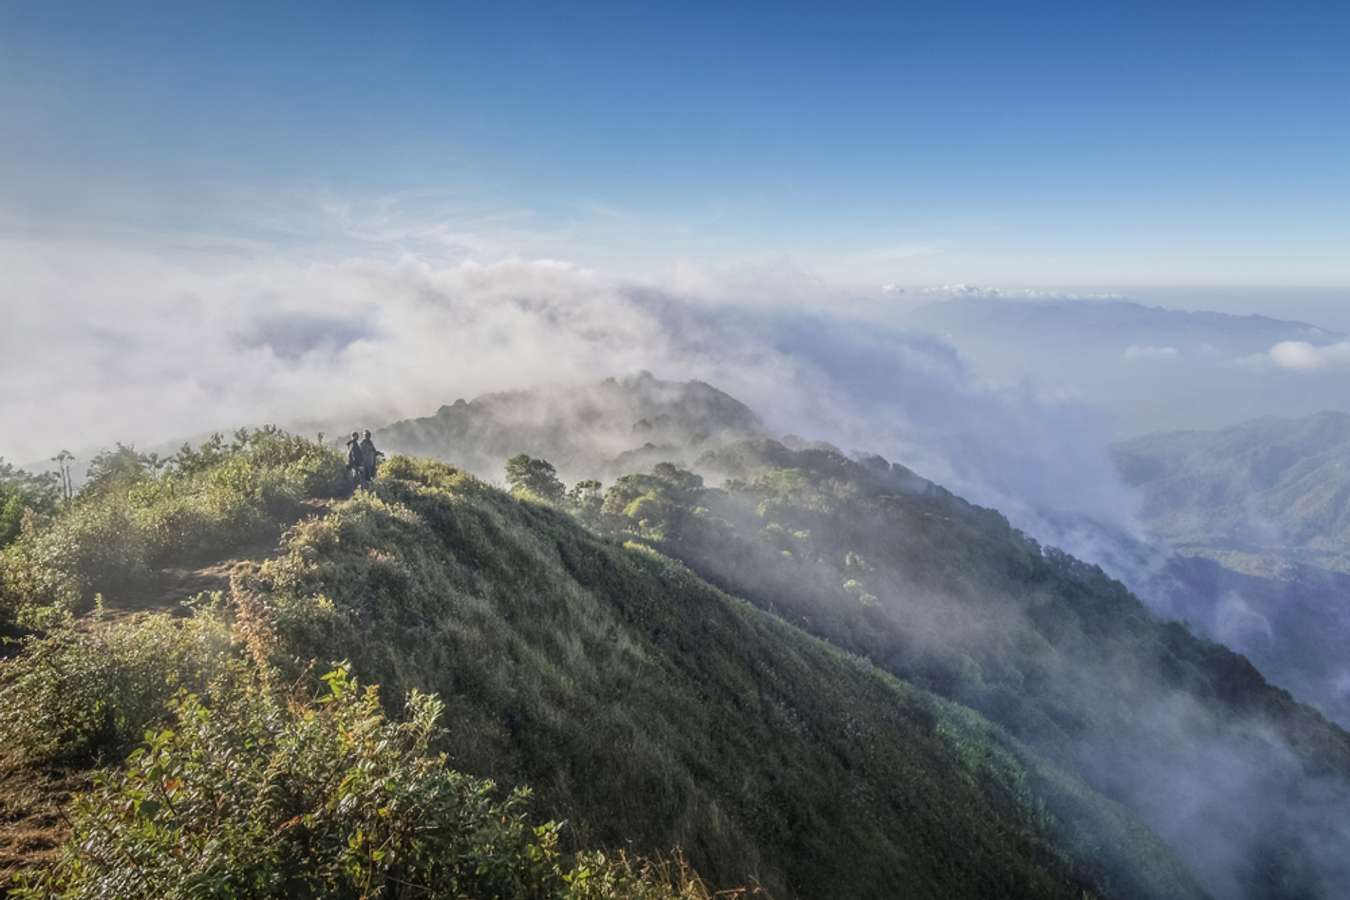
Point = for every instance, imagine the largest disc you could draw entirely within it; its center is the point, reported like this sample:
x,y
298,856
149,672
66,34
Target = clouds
x,y
1301,356
1136,352
138,345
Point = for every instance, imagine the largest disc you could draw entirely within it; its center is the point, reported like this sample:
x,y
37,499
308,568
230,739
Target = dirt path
x,y
33,818
34,802
172,585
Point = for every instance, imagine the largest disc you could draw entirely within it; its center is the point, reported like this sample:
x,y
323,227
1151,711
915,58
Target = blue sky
x,y
1050,144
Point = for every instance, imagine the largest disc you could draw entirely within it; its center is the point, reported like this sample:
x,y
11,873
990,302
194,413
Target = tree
x,y
120,465
587,498
209,453
681,480
11,517
532,476
63,461
22,492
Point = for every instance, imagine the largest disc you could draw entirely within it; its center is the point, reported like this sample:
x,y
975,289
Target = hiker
x,y
356,458
370,457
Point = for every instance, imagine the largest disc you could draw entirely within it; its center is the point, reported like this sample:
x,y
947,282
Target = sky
x,y
1108,144
213,214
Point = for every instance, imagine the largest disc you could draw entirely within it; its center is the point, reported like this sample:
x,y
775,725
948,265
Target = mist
x,y
111,344
146,348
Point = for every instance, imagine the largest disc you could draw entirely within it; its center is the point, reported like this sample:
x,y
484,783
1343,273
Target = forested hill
x,y
665,662
647,709
1269,486
1259,514
949,596
584,431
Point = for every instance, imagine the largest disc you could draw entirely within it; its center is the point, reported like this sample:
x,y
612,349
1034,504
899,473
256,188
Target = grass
x,y
647,709
645,706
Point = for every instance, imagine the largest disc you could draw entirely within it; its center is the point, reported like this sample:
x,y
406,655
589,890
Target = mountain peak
x,y
578,429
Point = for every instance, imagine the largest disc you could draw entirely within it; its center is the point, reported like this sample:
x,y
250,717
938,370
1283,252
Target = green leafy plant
x,y
84,693
257,792
535,477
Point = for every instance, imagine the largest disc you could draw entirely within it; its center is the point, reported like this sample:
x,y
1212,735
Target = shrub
x,y
214,499
78,694
94,545
256,793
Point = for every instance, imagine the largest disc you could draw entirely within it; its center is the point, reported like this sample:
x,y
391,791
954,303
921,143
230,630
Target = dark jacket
x,y
369,455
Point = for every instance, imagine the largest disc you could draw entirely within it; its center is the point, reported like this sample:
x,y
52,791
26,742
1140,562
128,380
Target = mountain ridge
x,y
580,429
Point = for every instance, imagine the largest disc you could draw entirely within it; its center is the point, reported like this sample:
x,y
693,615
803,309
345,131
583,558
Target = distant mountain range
x,y
1119,323
1149,368
1259,514
1267,486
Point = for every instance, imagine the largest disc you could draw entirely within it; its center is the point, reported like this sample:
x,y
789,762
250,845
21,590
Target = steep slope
x,y
1270,485
646,707
949,596
579,429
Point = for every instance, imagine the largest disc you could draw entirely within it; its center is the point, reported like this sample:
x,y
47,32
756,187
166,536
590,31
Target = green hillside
x,y
1259,517
585,430
950,597
646,709
1267,486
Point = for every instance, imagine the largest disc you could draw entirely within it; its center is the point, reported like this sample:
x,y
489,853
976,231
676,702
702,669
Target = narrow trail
x,y
33,816
34,802
170,586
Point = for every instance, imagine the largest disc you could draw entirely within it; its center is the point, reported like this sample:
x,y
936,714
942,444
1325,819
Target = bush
x,y
23,494
214,500
95,545
261,794
79,694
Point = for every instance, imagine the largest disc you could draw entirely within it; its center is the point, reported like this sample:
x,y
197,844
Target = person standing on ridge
x,y
370,457
356,458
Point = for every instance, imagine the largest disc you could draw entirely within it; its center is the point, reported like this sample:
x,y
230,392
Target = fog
x,y
111,344
106,344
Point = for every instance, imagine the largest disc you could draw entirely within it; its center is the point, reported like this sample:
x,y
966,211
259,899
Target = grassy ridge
x,y
646,708
950,597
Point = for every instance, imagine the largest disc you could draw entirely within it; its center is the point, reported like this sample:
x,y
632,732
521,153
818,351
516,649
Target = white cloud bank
x,y
1136,352
1301,356
107,344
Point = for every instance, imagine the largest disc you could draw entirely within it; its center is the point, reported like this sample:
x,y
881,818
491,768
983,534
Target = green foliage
x,y
23,494
534,477
82,693
254,793
599,674
586,500
647,708
93,545
118,469
950,597
655,506
131,519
